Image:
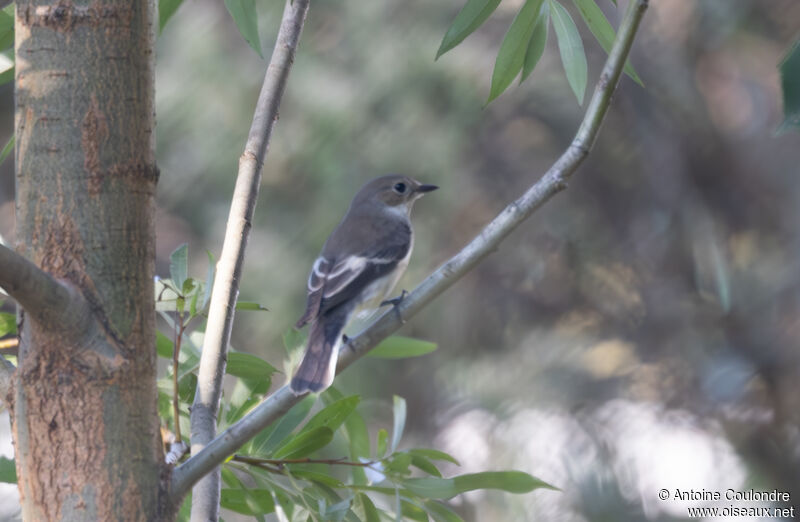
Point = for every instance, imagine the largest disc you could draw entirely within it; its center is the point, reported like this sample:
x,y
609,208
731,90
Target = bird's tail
x,y
318,366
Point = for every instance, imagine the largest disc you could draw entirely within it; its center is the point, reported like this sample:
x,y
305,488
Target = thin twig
x,y
6,372
484,243
176,352
205,501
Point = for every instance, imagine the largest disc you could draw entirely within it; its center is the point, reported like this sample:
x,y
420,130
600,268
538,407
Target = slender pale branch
x,y
205,501
43,298
6,372
550,184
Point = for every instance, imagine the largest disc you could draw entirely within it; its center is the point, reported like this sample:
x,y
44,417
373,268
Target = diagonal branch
x,y
445,276
44,299
205,503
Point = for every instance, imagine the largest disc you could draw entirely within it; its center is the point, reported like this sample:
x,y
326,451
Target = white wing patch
x,y
343,273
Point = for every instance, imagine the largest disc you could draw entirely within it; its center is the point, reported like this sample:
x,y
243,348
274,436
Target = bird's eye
x,y
400,188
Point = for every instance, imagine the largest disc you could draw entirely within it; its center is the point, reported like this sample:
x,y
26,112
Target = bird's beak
x,y
426,188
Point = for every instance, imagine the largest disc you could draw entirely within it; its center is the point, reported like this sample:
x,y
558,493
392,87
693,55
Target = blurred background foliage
x,y
640,332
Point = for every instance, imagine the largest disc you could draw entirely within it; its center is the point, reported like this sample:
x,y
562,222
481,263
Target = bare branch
x,y
205,501
44,299
550,184
6,372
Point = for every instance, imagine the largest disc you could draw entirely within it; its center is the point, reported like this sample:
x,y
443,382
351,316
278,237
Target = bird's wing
x,y
333,281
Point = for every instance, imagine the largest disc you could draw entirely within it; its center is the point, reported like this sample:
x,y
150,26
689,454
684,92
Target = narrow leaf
x,y
166,8
247,501
509,481
8,148
266,441
179,265
397,347
383,435
305,443
413,511
245,16
248,305
571,49
512,51
441,513
471,16
537,42
7,27
334,415
399,421
425,465
8,324
790,82
8,472
433,454
368,508
248,366
602,30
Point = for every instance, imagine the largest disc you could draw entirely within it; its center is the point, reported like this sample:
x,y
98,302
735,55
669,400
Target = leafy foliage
x,y
526,38
790,81
245,16
318,461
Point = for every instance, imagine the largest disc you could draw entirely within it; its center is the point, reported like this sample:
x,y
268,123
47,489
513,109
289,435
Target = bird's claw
x,y
395,301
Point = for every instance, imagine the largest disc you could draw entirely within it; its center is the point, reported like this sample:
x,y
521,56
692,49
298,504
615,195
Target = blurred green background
x,y
641,331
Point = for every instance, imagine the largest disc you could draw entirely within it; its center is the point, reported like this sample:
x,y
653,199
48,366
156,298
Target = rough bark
x,y
84,412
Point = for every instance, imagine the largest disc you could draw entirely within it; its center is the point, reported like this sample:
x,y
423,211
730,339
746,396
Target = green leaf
x,y
166,8
245,16
333,415
509,481
9,147
370,512
790,82
441,513
537,42
471,16
7,27
381,444
602,30
248,305
425,465
269,439
248,366
247,501
179,265
8,472
512,51
8,324
305,443
433,454
571,49
321,478
399,463
397,347
413,511
399,411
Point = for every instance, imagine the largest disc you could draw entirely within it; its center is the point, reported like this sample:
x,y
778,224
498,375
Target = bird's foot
x,y
395,301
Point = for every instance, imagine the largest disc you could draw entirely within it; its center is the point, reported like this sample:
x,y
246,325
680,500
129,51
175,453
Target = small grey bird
x,y
359,265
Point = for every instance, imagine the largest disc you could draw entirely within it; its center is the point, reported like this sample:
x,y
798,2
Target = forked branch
x,y
445,276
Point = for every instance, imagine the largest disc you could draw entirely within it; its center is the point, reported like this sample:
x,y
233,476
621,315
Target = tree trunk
x,y
86,428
